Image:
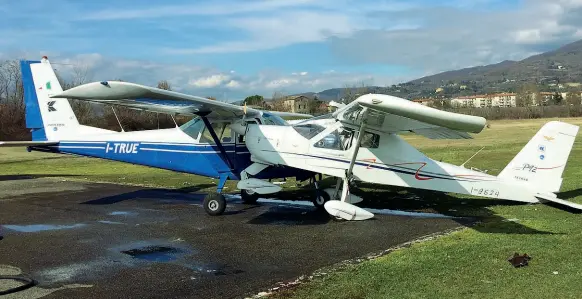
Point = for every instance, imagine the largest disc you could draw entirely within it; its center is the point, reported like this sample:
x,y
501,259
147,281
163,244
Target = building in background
x,y
297,104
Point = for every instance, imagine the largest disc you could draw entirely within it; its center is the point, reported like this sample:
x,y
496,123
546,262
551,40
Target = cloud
x,y
451,38
199,80
209,82
274,31
215,8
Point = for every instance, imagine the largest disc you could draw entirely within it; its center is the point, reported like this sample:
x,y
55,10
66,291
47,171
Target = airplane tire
x,y
214,204
249,198
321,197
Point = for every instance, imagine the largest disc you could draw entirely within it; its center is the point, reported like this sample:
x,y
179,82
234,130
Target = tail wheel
x,y
321,197
214,204
249,196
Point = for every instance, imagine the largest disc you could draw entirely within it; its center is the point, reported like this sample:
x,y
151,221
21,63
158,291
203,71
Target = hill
x,y
546,70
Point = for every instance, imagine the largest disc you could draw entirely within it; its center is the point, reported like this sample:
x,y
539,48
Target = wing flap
x,y
442,133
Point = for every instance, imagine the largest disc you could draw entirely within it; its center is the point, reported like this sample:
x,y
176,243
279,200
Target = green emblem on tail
x,y
48,85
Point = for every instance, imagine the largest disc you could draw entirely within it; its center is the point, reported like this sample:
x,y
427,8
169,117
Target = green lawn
x,y
471,263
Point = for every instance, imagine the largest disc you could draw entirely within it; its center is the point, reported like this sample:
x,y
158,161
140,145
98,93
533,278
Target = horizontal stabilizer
x,y
26,143
553,198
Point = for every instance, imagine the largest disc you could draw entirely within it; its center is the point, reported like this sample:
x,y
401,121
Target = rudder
x,y
542,161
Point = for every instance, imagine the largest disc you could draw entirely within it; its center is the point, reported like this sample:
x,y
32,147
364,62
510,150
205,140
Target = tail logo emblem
x,y
51,107
549,138
47,85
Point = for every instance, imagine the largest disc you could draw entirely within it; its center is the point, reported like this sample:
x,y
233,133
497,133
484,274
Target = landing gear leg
x,y
321,197
215,203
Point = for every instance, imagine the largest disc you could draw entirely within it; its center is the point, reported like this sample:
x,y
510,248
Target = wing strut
x,y
357,146
342,208
354,156
217,141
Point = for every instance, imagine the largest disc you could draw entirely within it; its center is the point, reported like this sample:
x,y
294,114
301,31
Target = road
x,y
89,240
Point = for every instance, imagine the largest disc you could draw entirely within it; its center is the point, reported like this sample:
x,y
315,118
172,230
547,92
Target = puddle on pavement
x,y
122,213
33,228
109,222
154,253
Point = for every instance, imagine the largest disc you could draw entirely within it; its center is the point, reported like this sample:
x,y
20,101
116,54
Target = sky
x,y
231,49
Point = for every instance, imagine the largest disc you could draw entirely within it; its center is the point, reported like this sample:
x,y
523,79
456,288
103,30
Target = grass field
x,y
471,263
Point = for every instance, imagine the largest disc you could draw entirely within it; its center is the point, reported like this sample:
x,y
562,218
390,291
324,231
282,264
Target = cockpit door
x,y
226,138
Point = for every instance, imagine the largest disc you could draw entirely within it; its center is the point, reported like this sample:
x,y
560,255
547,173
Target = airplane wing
x,y
396,115
140,97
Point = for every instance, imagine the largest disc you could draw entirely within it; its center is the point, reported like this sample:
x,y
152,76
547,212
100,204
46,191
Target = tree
x,y
573,98
313,105
255,100
557,98
350,93
526,96
84,111
278,101
163,84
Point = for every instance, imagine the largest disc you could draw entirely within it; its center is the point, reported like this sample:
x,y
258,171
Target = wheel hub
x,y
213,205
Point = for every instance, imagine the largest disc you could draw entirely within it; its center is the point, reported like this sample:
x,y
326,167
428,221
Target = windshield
x,y
275,120
193,127
308,130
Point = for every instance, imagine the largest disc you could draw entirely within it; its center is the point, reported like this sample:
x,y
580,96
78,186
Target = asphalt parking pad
x,y
151,243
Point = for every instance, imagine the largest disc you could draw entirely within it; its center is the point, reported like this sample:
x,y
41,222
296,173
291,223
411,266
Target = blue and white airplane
x,y
208,145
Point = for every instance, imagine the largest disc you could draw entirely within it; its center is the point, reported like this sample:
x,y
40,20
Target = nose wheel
x,y
214,204
321,197
248,196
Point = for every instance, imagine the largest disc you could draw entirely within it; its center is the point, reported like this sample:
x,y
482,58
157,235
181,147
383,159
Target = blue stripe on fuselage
x,y
200,159
197,159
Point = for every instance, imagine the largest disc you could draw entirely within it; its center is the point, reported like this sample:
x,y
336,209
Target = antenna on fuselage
x,y
463,165
122,130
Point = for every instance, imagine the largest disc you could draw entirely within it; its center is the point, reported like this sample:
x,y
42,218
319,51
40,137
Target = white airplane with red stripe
x,y
360,142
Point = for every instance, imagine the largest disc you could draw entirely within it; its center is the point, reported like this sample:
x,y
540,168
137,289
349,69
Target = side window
x,y
335,140
370,140
206,137
226,134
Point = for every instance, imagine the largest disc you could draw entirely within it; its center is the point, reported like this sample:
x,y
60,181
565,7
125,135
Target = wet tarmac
x,y
86,240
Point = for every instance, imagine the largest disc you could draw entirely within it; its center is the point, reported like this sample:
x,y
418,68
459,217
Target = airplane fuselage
x,y
170,149
387,160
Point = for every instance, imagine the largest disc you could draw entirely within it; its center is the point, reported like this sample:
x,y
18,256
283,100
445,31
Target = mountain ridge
x,y
546,70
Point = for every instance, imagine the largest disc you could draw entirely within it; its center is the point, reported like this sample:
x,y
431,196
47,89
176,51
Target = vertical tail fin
x,y
48,119
542,161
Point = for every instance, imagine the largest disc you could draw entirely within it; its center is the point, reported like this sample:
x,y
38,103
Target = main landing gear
x,y
215,203
321,196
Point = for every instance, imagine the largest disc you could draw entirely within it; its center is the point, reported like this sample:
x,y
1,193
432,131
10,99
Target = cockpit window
x,y
308,130
274,120
336,140
193,127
